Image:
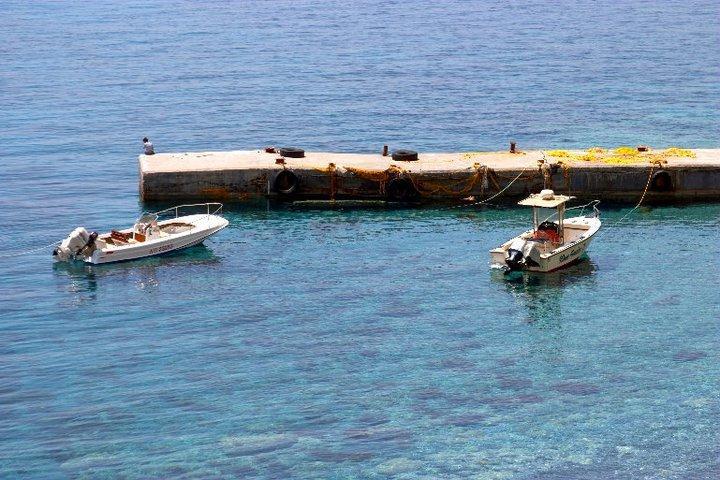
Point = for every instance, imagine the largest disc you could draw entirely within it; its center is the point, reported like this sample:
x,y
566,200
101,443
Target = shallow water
x,y
365,343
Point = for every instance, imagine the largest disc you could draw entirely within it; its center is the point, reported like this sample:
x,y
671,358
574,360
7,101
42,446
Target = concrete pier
x,y
243,175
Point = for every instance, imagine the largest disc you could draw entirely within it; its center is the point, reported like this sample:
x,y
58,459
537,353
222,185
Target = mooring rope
x,y
642,197
647,186
493,196
25,252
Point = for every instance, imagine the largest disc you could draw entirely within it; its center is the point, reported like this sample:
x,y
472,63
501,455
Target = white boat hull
x,y
560,256
203,227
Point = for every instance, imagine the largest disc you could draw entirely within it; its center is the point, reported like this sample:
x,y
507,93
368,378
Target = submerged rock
x,y
320,419
92,462
514,383
457,363
667,300
507,361
576,388
428,393
255,444
372,420
379,435
467,420
332,456
624,449
398,465
688,356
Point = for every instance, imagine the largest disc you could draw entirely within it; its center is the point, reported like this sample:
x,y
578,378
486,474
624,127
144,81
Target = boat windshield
x,y
147,218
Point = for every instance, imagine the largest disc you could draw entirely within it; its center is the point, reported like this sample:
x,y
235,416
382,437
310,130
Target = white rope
x,y
25,252
494,196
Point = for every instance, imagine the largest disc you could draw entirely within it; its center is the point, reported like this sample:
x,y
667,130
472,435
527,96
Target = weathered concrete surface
x,y
239,175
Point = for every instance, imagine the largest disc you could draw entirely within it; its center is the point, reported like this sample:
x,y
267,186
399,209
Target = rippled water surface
x,y
352,342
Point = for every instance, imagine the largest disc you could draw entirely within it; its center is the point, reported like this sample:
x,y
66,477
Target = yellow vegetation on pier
x,y
560,153
627,151
622,155
679,152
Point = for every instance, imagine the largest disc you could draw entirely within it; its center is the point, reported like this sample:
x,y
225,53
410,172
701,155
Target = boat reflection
x,y
541,296
542,292
84,278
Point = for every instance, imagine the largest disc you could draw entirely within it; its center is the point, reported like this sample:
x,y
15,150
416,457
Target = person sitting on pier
x,y
147,144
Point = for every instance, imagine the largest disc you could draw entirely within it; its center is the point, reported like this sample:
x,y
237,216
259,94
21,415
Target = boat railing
x,y
593,205
212,208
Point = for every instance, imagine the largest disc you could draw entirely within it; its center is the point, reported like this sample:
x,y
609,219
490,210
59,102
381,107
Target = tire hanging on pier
x,y
400,189
405,156
286,182
661,182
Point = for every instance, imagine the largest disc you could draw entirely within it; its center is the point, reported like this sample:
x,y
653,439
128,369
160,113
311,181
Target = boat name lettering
x,y
573,253
162,248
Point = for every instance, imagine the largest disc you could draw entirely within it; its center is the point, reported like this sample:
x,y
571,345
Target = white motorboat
x,y
149,236
550,245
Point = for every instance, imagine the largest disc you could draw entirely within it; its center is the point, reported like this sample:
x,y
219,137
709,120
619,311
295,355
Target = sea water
x,y
352,342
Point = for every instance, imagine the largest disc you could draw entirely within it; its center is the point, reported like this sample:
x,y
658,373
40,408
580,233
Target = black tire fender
x,y
285,182
291,152
405,156
400,189
661,182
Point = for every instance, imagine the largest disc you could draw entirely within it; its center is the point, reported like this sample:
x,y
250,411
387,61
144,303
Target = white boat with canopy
x,y
550,245
150,235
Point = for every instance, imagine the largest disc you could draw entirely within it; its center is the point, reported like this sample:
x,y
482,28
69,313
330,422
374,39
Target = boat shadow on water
x,y
85,277
542,293
540,297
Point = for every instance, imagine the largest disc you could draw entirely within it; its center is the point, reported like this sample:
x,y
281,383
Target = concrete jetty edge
x,y
248,174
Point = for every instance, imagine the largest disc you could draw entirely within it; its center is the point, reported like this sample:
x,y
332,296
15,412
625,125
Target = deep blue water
x,y
352,343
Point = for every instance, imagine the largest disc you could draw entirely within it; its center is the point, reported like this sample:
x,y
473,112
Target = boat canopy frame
x,y
557,202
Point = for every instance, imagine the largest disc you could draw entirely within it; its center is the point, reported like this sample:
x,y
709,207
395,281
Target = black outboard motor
x,y
90,243
77,243
514,259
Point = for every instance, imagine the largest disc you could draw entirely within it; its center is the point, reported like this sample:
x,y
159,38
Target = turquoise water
x,y
352,343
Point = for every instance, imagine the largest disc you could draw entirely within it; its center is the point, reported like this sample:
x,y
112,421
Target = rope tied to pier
x,y
642,197
32,250
382,177
331,171
500,192
566,175
461,187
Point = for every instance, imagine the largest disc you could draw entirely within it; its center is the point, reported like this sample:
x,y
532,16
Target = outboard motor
x,y
78,240
514,257
522,254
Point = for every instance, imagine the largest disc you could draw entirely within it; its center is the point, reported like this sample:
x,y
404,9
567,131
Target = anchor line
x,y
25,252
493,196
647,186
642,197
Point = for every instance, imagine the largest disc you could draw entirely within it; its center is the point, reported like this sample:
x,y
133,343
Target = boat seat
x,y
120,236
577,226
547,231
